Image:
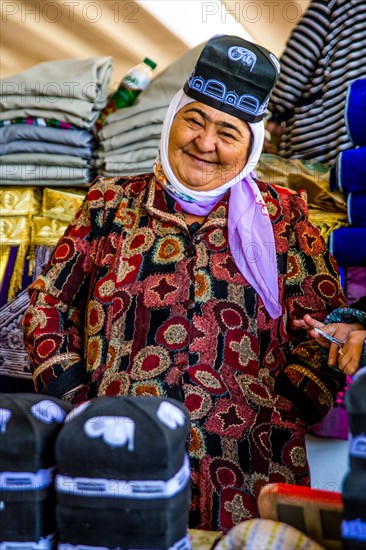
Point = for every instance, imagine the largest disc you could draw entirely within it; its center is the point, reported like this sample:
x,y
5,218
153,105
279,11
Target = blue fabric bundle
x,y
347,244
349,174
356,209
355,111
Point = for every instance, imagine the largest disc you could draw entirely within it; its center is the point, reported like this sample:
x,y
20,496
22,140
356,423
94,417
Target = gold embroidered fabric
x,y
62,204
296,174
327,222
47,231
20,201
32,216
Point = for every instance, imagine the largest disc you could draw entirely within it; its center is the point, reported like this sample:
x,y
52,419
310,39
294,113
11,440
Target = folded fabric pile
x,y
349,176
327,210
32,219
130,137
46,117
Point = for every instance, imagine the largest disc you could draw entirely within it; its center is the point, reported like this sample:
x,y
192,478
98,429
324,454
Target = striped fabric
x,y
324,54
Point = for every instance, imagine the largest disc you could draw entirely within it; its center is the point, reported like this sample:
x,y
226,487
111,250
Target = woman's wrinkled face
x,y
207,147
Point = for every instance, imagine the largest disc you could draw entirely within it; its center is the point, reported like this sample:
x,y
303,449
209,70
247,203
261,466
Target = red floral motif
x,y
45,347
168,250
326,286
217,239
95,317
207,378
114,383
197,402
309,239
274,208
95,195
253,391
127,271
150,362
162,290
203,338
236,506
147,388
139,242
121,303
278,473
241,351
94,353
294,455
64,251
281,231
225,269
173,334
225,473
229,316
229,419
197,448
296,272
296,215
202,289
260,438
126,216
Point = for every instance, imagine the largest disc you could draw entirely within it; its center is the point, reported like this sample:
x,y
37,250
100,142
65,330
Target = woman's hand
x,y
350,353
348,356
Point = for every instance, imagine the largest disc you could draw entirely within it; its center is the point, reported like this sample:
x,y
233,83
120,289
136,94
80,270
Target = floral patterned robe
x,y
131,303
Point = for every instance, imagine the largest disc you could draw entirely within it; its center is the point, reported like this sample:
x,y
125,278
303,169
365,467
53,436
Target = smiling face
x,y
207,147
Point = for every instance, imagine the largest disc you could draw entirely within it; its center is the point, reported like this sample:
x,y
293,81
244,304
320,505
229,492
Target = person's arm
x,y
312,286
300,59
348,325
54,321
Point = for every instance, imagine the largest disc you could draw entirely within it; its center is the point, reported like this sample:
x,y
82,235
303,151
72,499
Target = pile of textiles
x,y
349,176
130,137
46,117
327,209
32,219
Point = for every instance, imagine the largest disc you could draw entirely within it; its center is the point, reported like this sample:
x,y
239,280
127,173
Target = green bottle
x,y
137,79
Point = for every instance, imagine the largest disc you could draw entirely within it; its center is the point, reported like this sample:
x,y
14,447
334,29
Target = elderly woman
x,y
186,282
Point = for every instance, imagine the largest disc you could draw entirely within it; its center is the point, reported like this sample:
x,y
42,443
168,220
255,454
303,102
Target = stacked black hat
x,y
29,425
123,475
354,482
235,76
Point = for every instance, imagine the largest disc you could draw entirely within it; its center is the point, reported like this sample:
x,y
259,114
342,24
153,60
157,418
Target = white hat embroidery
x,y
47,411
170,415
116,431
5,416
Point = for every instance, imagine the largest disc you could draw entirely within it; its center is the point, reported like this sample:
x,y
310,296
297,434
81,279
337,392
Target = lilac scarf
x,y
251,238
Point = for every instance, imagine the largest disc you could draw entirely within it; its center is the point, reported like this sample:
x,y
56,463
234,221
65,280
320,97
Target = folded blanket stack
x,y
46,117
349,176
130,137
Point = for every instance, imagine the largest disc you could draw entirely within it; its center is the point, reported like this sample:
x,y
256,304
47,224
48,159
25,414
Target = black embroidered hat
x,y
123,474
234,76
29,424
